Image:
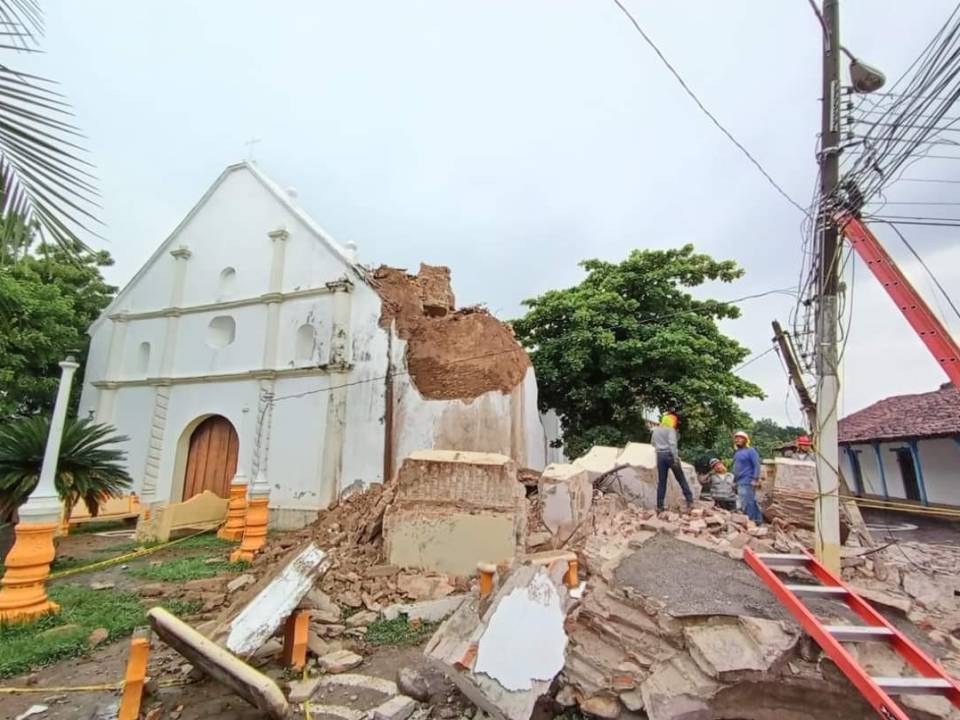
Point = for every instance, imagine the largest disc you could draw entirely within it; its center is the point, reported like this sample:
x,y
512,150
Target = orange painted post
x,y
236,514
254,531
486,572
295,639
572,578
23,596
134,679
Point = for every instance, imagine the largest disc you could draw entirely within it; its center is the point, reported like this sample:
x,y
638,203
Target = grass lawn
x,y
64,635
186,568
398,632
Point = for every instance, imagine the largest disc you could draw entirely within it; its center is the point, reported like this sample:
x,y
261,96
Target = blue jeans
x,y
748,502
666,462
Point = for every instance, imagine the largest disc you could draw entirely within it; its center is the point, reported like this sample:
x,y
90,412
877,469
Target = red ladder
x,y
931,680
921,318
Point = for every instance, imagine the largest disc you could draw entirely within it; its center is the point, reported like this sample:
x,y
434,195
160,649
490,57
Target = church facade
x,y
251,347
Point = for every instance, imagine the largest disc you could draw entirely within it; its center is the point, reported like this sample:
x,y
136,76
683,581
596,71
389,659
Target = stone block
x,y
465,479
301,690
565,493
447,541
454,509
339,661
399,707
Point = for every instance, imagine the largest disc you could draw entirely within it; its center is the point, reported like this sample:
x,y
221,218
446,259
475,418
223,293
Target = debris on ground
x,y
504,652
216,662
631,473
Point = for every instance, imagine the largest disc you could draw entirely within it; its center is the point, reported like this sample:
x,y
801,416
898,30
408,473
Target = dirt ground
x,y
198,699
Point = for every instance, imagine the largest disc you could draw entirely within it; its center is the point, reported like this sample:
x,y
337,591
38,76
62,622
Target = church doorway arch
x,y
211,458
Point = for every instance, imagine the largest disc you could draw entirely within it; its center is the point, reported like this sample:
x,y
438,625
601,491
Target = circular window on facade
x,y
221,331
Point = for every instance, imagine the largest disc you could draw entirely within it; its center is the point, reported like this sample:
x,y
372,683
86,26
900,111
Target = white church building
x,y
252,345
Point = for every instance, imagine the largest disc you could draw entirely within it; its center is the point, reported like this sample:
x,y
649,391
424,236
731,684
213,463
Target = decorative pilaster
x,y
258,513
237,510
331,463
161,397
23,596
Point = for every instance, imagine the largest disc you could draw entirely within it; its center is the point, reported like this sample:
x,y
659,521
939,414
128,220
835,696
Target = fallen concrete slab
x,y
215,662
565,493
506,659
264,614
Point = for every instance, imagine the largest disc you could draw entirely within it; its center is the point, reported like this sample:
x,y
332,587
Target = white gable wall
x,y
328,425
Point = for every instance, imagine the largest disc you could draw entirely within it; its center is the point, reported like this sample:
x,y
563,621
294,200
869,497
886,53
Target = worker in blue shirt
x,y
746,475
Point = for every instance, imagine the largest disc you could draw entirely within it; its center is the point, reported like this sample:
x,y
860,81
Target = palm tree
x,y
43,178
89,468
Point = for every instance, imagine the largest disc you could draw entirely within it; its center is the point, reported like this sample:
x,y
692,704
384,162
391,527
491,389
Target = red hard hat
x,y
803,440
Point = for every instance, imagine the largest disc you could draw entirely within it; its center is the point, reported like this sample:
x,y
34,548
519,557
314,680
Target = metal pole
x,y
827,506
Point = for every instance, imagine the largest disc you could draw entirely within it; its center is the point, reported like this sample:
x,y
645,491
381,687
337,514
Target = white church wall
x,y
95,368
294,463
131,416
220,341
483,424
150,331
230,231
313,314
365,438
534,436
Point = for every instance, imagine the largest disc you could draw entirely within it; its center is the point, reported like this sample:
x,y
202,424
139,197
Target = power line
x,y
706,112
754,359
925,267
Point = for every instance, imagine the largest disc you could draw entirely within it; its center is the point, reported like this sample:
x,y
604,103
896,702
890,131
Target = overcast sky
x,y
508,139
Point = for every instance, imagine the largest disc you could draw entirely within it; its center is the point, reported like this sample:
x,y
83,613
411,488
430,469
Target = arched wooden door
x,y
212,458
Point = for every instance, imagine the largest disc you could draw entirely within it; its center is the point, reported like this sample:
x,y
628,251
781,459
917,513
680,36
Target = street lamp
x,y
865,78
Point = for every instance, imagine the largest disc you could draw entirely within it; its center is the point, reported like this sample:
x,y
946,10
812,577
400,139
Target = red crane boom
x,y
931,331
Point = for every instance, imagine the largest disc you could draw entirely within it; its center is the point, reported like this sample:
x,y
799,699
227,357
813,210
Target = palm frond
x,y
45,179
90,467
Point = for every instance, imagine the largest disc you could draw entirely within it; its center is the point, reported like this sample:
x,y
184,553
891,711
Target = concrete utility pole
x,y
828,455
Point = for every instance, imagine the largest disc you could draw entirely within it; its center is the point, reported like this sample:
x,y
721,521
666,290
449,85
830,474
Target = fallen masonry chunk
x,y
425,610
257,689
399,707
365,682
301,690
339,661
264,614
565,493
239,582
411,682
364,617
454,509
602,706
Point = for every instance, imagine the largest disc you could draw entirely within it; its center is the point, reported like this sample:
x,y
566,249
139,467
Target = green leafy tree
x,y
90,467
766,436
48,297
630,341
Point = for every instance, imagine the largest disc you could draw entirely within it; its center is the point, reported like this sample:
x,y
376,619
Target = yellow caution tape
x,y
87,688
129,556
75,688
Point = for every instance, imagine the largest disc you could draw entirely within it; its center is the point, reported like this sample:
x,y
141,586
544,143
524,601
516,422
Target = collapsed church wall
x,y
461,379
